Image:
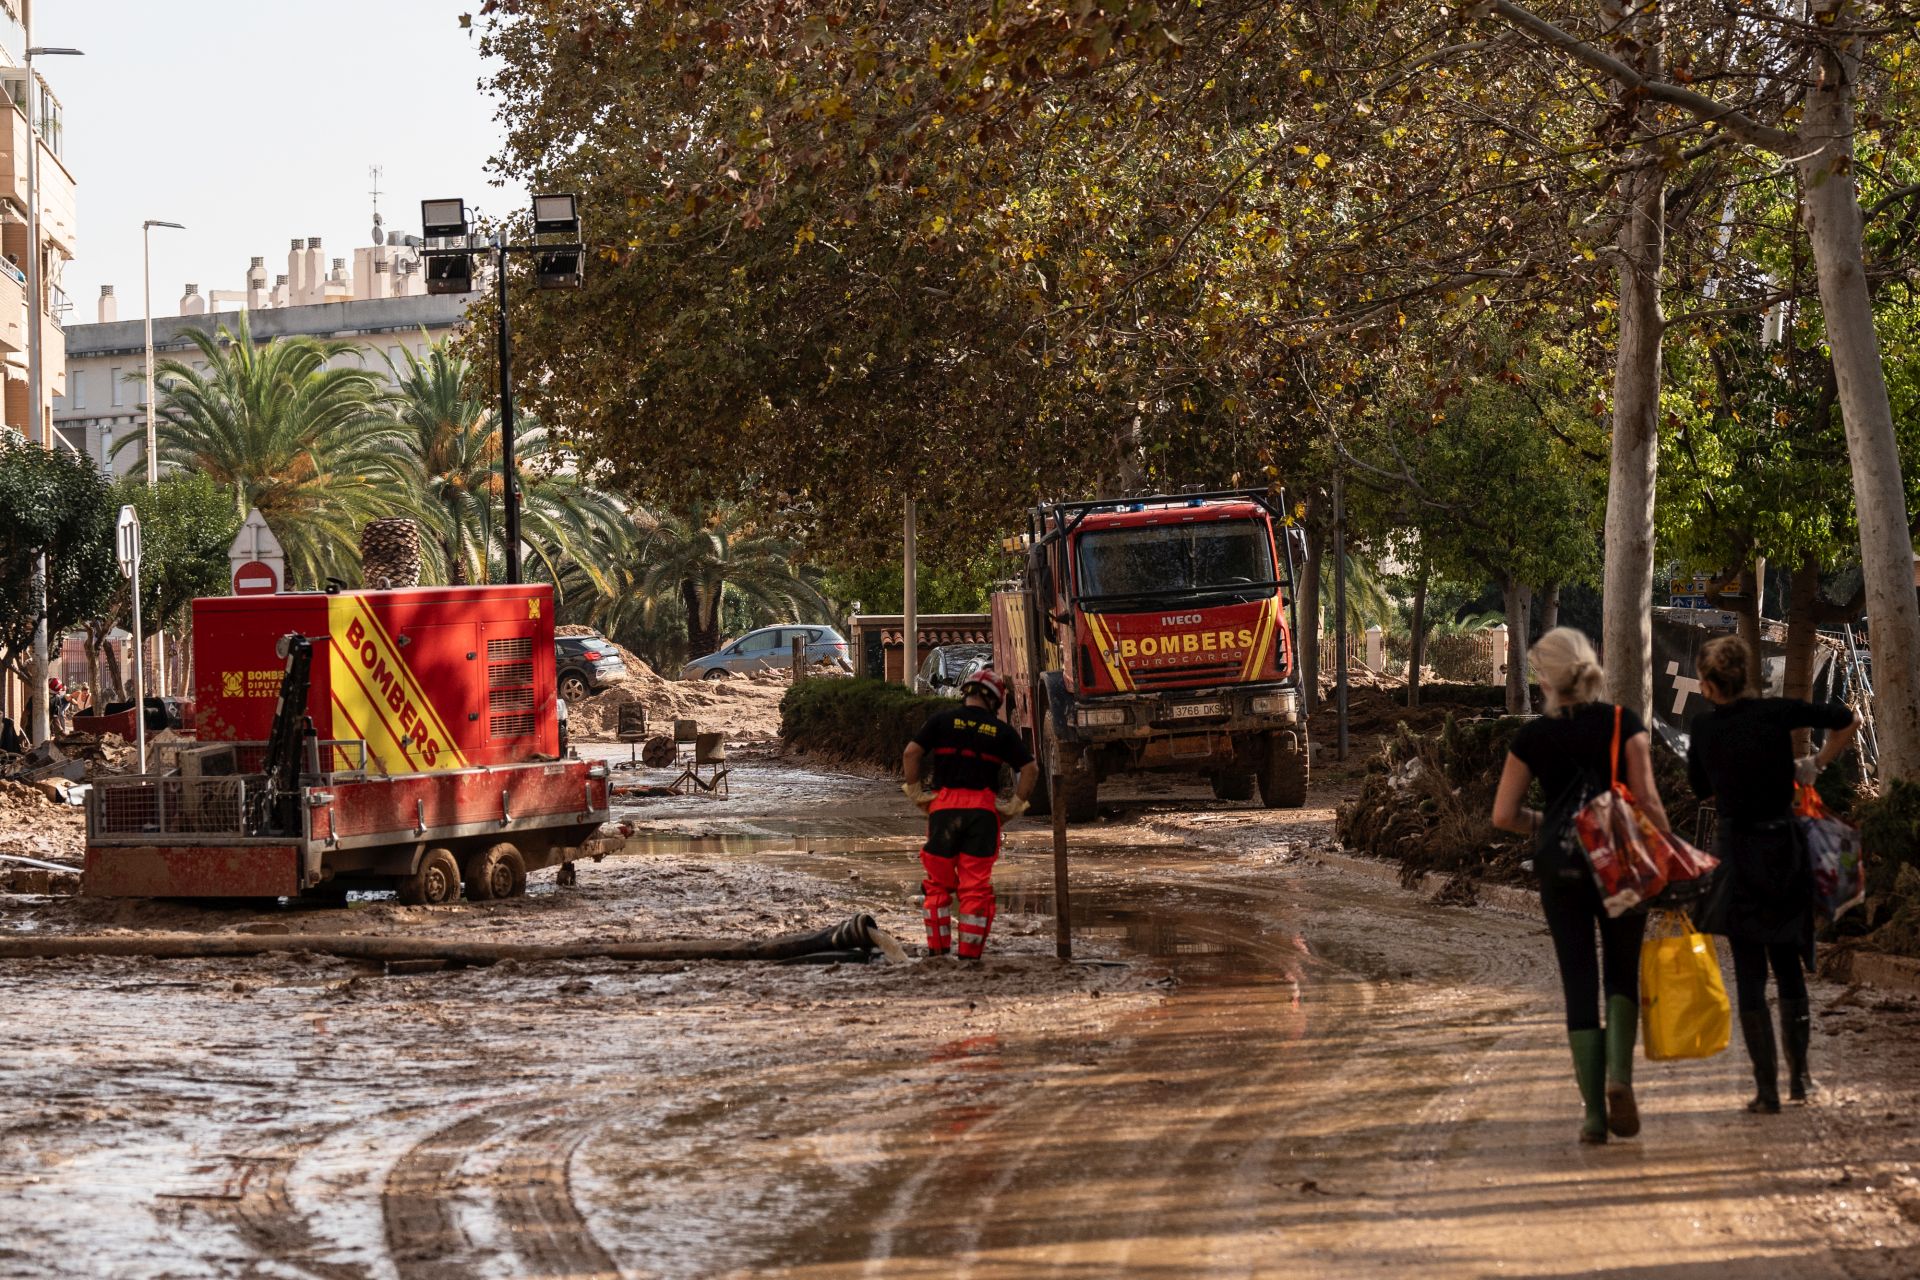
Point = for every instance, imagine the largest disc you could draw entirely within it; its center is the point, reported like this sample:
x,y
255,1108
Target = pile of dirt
x,y
34,825
744,707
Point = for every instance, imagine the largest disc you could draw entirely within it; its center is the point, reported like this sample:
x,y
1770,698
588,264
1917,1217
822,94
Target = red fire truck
x,y
1157,634
357,739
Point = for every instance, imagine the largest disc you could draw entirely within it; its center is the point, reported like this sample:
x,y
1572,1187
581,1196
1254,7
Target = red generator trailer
x,y
401,740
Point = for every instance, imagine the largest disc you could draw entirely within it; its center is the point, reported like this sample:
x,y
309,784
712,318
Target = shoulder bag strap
x,y
1613,756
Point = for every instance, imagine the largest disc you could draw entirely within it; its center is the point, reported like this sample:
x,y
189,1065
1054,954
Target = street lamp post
x,y
153,452
146,272
449,249
42,709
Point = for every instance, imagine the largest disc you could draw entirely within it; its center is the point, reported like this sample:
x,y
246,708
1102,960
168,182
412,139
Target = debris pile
x,y
744,707
41,794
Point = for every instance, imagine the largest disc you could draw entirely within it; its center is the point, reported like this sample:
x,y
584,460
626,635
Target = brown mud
x,y
1262,1066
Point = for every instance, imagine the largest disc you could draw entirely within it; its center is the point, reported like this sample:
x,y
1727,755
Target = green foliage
x,y
961,588
1890,833
187,522
866,720
57,503
453,468
277,428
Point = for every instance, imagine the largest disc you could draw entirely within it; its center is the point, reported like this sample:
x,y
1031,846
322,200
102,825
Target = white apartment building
x,y
381,306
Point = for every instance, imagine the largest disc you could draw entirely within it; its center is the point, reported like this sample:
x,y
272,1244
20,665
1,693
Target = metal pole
x,y
1062,913
1340,610
139,675
42,726
146,294
910,600
509,470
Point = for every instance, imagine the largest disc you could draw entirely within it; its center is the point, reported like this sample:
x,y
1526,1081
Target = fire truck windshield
x,y
1225,558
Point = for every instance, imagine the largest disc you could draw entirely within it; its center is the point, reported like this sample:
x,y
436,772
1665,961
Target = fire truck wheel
x,y
436,882
498,872
1283,773
1232,786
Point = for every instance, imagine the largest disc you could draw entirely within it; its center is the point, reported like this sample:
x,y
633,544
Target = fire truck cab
x,y
1157,634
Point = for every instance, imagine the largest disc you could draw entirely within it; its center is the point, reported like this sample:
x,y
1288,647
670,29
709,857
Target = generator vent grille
x,y
512,726
501,674
513,647
510,687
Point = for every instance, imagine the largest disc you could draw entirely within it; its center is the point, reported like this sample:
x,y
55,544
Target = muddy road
x,y
1260,1063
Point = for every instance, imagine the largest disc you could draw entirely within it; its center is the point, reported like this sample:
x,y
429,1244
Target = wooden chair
x,y
710,754
632,731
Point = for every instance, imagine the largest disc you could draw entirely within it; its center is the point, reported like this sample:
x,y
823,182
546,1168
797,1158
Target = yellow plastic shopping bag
x,y
1683,1004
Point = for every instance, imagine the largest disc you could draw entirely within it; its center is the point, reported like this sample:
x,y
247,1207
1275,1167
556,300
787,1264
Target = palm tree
x,y
701,558
453,462
273,424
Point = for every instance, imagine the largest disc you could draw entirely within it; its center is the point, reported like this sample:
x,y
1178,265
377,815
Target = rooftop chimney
x,y
109,305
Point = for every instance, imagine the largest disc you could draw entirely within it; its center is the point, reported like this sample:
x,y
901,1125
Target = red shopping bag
x,y
1632,861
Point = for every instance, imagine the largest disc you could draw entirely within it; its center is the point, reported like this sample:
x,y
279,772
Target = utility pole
x,y
153,450
910,600
509,469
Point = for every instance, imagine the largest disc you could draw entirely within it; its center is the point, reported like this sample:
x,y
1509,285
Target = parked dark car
x,y
947,668
584,665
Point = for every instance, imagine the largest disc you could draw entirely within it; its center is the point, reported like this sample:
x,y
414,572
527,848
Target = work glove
x,y
1010,809
1806,769
916,793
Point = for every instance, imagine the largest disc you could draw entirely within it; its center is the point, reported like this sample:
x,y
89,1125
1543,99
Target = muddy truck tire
x,y
496,872
1283,772
1232,786
434,883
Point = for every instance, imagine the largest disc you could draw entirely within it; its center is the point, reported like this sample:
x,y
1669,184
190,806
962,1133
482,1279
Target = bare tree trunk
x,y
94,634
1803,599
1309,639
1627,629
1519,604
1417,650
1832,214
113,676
1550,609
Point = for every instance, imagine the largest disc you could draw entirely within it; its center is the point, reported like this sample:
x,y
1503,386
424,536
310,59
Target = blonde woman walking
x,y
1570,751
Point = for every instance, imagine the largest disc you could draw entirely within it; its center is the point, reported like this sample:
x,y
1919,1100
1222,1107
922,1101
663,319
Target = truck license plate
x,y
1193,710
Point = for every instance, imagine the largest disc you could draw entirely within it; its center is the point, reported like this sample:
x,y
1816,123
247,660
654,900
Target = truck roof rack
x,y
1066,516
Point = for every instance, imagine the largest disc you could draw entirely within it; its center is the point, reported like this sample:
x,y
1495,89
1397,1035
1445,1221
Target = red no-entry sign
x,y
255,578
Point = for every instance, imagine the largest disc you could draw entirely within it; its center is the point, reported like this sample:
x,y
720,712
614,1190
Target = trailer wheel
x,y
497,872
1283,771
1232,786
436,882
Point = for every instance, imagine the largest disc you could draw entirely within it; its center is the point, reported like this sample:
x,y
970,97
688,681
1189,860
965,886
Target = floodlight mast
x,y
449,250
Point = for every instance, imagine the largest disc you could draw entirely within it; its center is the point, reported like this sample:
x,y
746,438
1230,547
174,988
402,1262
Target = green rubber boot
x,y
1623,1022
1590,1070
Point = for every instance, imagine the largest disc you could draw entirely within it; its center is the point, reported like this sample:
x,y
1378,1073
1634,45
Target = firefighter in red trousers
x,y
968,745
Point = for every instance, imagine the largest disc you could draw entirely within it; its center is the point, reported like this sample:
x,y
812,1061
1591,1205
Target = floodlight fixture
x,y
557,268
443,219
449,273
556,215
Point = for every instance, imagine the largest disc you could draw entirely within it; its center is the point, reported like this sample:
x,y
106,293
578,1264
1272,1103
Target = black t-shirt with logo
x,y
968,745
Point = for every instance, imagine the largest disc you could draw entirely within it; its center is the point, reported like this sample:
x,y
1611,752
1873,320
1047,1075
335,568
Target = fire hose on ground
x,y
858,936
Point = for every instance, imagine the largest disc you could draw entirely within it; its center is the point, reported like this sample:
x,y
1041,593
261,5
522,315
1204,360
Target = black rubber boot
x,y
1796,1029
1756,1027
1590,1070
1623,1022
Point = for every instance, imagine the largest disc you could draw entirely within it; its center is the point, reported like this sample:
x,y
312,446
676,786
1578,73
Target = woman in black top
x,y
1762,900
1570,750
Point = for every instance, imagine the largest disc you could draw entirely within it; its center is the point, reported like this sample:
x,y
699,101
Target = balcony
x,y
58,222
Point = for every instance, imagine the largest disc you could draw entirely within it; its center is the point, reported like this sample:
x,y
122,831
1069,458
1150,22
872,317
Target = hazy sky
x,y
255,121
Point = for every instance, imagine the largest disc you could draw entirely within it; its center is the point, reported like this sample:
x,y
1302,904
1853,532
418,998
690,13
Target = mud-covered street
x,y
1259,1063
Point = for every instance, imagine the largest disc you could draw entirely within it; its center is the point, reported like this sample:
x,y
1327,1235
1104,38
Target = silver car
x,y
769,648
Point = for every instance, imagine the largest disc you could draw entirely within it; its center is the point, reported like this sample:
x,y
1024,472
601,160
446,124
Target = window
x,y
759,644
52,127
77,387
119,385
1166,560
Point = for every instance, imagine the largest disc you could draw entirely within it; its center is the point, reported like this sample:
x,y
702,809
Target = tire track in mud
x,y
255,1203
531,1195
534,1199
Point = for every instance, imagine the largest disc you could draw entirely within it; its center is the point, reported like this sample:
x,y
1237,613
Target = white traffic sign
x,y
255,541
126,540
